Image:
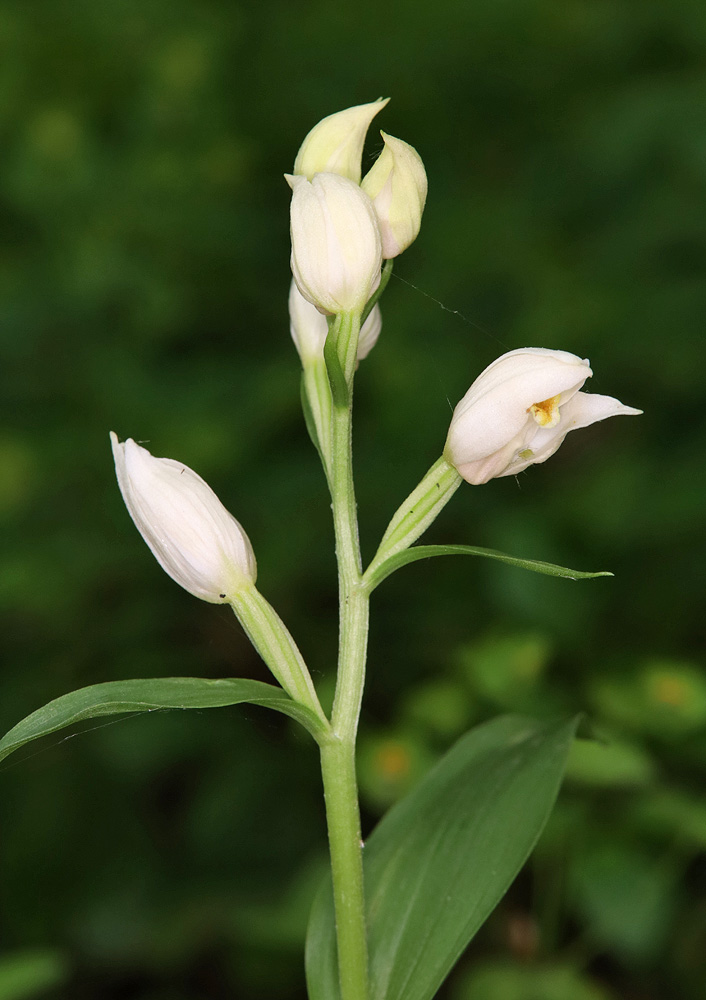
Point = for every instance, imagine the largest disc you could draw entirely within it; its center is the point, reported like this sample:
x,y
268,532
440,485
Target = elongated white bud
x,y
335,145
336,248
397,185
191,534
519,410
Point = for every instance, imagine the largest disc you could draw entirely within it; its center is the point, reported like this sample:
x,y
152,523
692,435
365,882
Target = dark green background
x,y
143,283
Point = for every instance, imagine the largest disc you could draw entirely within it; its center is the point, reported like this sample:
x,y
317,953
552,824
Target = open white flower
x,y
309,328
336,246
519,410
191,534
335,144
397,185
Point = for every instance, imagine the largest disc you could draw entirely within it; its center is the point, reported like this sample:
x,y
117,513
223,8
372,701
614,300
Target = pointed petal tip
x,y
116,444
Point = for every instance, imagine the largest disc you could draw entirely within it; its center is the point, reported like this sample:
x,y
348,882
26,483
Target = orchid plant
x,y
400,906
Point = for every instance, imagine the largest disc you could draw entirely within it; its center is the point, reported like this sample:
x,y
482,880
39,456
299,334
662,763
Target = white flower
x,y
336,248
193,537
397,185
519,410
309,328
335,145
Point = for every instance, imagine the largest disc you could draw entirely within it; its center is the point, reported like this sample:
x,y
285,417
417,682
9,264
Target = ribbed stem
x,y
273,641
343,821
417,512
338,754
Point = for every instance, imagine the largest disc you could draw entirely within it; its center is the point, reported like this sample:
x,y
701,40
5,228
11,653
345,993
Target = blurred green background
x,y
143,283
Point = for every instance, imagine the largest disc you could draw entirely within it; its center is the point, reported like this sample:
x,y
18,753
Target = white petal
x,y
369,332
495,410
588,408
191,534
336,246
307,325
582,410
397,184
335,144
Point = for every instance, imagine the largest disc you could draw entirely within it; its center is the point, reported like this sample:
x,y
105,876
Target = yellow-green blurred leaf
x,y
608,765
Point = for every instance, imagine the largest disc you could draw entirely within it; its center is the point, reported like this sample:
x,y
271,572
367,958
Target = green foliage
x,y
625,896
662,699
441,859
498,981
151,695
609,765
427,551
506,670
28,974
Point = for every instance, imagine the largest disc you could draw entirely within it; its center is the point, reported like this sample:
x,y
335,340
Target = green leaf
x,y
441,859
426,551
148,695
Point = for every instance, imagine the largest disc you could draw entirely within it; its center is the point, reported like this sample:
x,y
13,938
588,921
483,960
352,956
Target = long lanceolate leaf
x,y
441,859
382,571
147,695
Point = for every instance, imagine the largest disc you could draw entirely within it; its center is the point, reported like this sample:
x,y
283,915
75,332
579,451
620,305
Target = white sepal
x,y
191,534
336,247
519,410
335,145
397,185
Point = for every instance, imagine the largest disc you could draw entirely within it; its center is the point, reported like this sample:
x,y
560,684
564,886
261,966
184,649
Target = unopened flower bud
x,y
336,249
397,185
191,534
309,328
519,410
335,145
369,332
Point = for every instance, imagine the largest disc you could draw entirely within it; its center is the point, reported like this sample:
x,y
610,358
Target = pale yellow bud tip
x,y
335,144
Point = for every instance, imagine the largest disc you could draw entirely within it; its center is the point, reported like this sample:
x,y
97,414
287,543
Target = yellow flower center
x,y
546,413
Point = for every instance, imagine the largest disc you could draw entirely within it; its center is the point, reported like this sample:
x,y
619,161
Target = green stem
x,y
343,820
417,512
338,753
316,403
273,641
